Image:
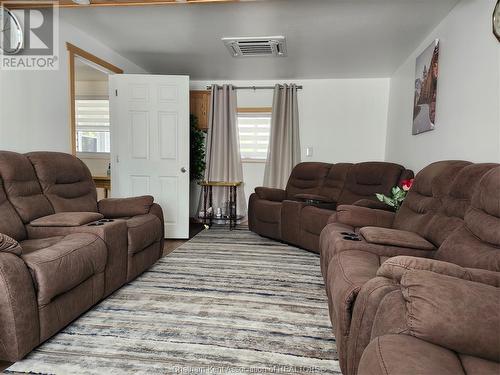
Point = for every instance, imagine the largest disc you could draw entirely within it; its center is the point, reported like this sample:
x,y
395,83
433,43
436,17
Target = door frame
x,y
98,63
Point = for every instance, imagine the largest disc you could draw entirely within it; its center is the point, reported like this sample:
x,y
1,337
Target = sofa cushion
x,y
456,202
65,180
64,265
67,219
10,222
22,187
437,303
424,199
306,178
335,181
39,243
143,230
476,243
395,237
366,179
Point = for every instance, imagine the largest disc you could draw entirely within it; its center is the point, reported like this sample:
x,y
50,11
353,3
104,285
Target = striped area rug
x,y
223,303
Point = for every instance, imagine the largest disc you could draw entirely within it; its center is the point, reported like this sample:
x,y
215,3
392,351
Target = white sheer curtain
x,y
223,147
284,143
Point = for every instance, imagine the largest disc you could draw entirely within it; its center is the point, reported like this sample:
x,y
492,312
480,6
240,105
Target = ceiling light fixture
x,y
82,2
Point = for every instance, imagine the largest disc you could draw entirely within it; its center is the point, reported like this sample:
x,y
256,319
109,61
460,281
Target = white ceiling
x,y
325,38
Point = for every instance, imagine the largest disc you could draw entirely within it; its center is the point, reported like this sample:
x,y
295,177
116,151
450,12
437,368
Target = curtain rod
x,y
299,87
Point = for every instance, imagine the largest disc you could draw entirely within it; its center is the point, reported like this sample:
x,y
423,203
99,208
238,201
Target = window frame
x,y
250,111
85,154
75,52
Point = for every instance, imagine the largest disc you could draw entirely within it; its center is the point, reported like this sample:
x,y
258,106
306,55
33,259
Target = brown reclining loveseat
x,y
62,251
359,240
437,317
298,214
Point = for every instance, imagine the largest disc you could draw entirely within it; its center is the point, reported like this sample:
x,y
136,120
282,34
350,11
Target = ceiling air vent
x,y
260,46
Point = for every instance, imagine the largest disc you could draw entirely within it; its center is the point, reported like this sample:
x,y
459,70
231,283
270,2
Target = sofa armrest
x,y
9,245
394,268
19,323
395,237
457,314
357,217
67,219
368,203
270,194
123,207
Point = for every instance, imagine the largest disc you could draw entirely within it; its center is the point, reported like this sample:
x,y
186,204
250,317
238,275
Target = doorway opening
x,y
90,114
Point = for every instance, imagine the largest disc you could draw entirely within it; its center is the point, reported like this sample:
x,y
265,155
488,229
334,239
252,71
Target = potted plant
x,y
197,163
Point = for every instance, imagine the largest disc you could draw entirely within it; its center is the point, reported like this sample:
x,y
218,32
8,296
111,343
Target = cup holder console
x,y
97,224
106,221
350,236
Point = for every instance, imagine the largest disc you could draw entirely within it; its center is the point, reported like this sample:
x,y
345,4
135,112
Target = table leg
x,y
205,205
235,206
230,208
211,205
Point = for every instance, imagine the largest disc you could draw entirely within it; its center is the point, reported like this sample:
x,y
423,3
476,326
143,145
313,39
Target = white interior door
x,y
150,143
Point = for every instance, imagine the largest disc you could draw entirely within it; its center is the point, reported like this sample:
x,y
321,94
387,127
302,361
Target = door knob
x,y
183,170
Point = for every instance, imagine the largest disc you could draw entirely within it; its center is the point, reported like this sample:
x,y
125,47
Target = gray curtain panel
x,y
284,143
223,147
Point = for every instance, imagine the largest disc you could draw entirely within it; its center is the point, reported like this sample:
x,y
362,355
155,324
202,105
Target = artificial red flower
x,y
406,184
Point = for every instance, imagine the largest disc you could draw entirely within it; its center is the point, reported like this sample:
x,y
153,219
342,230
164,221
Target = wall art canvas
x,y
426,78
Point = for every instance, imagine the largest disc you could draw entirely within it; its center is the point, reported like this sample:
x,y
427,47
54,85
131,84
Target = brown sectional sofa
x,y
449,220
298,214
62,251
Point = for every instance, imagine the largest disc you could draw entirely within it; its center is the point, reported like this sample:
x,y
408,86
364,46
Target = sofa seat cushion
x,y
143,230
395,237
67,219
29,246
268,211
65,264
314,219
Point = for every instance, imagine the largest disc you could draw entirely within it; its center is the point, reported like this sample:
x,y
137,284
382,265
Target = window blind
x,y
254,131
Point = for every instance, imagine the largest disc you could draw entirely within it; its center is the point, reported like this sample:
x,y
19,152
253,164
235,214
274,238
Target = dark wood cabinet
x,y
199,104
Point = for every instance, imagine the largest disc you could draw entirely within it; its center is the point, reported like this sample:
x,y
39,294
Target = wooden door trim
x,y
73,52
255,110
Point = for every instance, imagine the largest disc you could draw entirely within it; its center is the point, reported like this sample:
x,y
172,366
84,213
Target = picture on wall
x,y
426,77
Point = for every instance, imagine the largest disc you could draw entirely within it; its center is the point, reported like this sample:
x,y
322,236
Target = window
x,y
92,125
254,129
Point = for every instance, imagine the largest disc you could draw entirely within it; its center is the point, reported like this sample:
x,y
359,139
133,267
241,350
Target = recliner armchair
x,y
61,251
298,214
432,223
